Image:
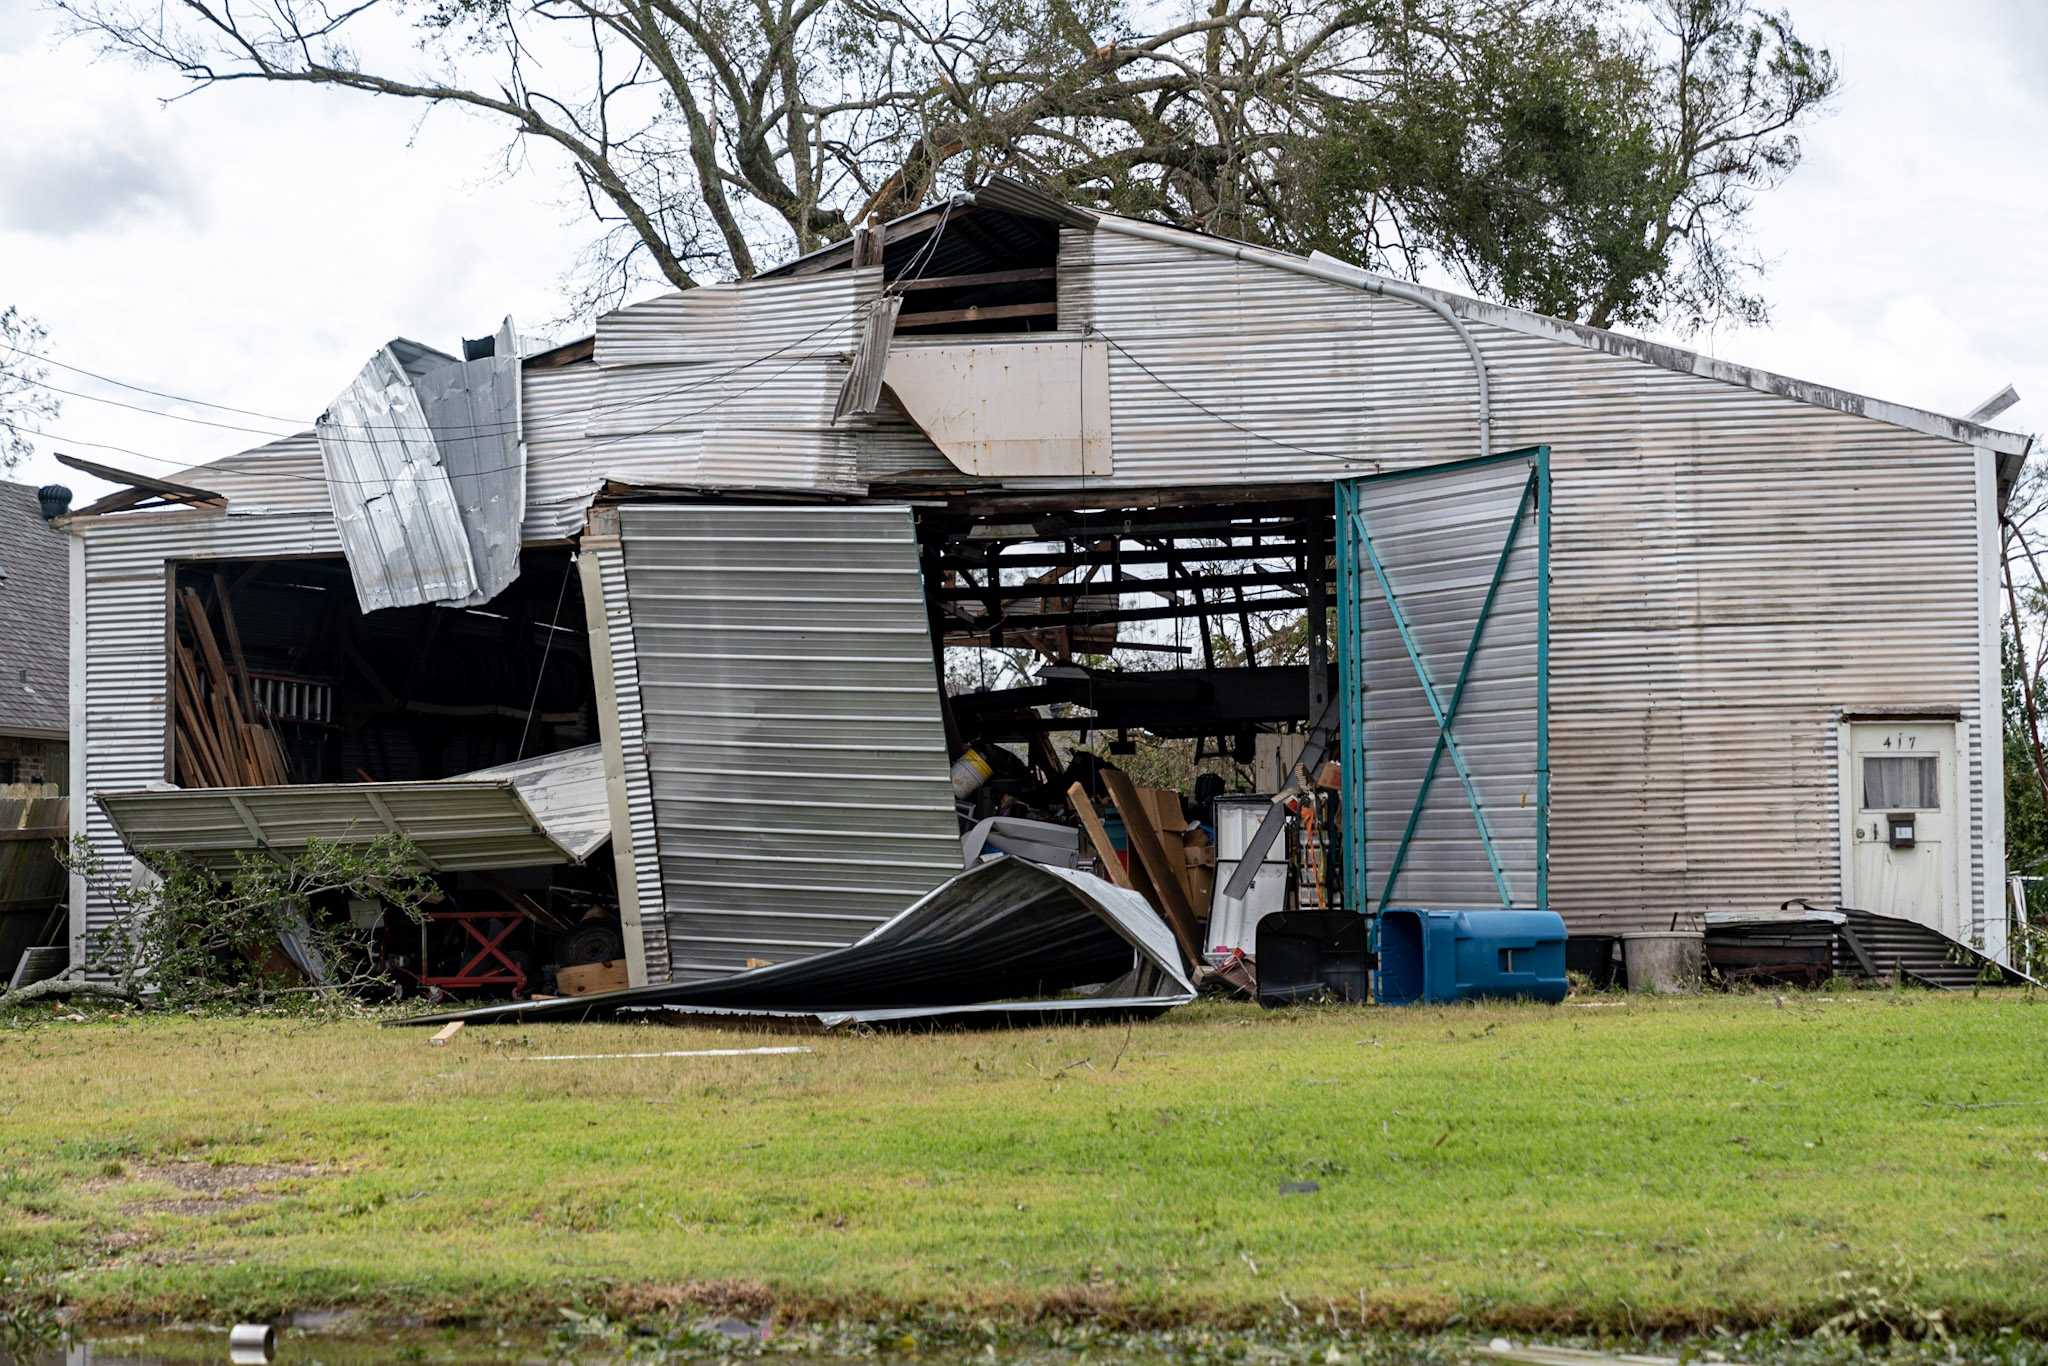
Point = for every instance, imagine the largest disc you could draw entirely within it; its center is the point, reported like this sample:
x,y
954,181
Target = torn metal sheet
x,y
1039,841
473,410
426,471
534,814
861,393
566,793
393,505
1006,938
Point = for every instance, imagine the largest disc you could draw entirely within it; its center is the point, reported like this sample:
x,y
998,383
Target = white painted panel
x,y
1010,409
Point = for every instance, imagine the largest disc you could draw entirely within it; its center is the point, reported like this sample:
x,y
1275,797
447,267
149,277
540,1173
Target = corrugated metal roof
x,y
1005,937
35,617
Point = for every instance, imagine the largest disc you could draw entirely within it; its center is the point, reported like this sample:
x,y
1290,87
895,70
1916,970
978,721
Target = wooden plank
x,y
979,277
1144,838
1105,852
1165,810
232,743
191,770
234,635
206,766
142,483
444,1034
975,315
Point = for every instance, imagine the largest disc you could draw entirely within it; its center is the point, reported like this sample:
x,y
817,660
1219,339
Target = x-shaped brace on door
x,y
1446,715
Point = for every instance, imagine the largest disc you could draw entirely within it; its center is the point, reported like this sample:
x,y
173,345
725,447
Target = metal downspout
x,y
1334,271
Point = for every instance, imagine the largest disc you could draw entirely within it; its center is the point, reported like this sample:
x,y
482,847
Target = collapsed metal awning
x,y
530,814
1007,941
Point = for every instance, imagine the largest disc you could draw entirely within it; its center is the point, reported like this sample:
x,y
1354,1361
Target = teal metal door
x,y
1443,629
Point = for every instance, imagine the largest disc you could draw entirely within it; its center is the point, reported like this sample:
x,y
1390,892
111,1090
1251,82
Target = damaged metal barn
x,y
646,640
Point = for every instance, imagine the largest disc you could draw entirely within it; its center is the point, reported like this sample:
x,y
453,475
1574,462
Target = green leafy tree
x,y
193,936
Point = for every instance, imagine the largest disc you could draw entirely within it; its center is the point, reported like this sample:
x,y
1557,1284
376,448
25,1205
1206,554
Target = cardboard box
x,y
588,978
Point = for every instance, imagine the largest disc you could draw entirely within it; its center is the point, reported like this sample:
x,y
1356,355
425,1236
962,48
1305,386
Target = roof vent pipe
x,y
1336,272
55,500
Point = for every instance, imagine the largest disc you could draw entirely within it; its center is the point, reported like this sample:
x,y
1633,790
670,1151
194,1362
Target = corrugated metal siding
x,y
646,837
121,698
727,386
454,825
1731,569
792,725
1439,538
560,482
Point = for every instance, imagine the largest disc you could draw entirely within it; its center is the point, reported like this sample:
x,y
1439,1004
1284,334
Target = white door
x,y
1899,806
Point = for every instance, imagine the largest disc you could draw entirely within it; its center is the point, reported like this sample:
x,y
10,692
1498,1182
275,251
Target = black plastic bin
x,y
1311,955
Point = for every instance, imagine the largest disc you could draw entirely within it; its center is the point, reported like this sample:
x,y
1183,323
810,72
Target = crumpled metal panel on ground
x,y
1007,941
426,470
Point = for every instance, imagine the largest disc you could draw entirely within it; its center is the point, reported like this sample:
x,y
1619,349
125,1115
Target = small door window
x,y
1901,782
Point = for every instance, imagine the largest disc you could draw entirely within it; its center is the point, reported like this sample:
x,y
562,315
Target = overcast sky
x,y
253,245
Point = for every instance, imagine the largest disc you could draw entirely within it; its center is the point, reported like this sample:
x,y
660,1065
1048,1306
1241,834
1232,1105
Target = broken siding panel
x,y
728,386
455,825
121,692
473,409
392,500
799,765
632,726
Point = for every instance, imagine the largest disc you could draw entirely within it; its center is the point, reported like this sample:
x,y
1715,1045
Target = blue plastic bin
x,y
1442,956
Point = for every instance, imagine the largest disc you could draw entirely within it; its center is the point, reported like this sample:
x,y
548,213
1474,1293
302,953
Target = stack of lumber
x,y
219,741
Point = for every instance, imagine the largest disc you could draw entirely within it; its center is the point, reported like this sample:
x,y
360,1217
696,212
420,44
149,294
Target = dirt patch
x,y
210,1187
219,1178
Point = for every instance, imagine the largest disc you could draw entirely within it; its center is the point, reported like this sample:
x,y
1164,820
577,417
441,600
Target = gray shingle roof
x,y
35,615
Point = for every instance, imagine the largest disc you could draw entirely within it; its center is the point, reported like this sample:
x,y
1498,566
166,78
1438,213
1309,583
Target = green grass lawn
x,y
1605,1165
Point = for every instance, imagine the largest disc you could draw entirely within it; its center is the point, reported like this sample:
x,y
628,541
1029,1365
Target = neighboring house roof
x,y
35,617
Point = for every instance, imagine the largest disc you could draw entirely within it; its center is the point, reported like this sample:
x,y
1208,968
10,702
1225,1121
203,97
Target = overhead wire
x,y
582,418
913,271
43,359
1235,425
